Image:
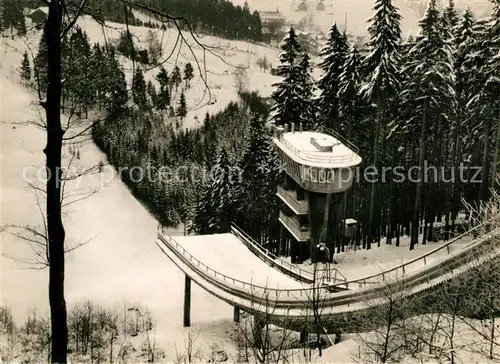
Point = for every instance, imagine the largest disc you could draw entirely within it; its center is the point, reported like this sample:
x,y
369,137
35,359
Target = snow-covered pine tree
x,y
176,77
493,85
79,72
492,67
115,88
350,115
478,94
288,94
215,210
464,42
222,192
333,58
380,70
203,212
164,93
20,20
153,96
12,16
430,93
25,72
209,141
40,67
380,66
256,193
465,75
309,112
182,108
139,91
450,20
488,104
99,63
188,73
186,204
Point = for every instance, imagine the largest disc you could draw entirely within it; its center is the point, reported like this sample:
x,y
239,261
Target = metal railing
x,y
378,277
382,276
271,258
300,207
204,269
317,157
300,296
329,275
325,130
294,227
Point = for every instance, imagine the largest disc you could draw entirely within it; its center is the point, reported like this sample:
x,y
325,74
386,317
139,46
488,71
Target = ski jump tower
x,y
319,166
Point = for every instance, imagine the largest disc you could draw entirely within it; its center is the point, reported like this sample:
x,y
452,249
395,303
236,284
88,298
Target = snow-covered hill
x,y
215,61
121,262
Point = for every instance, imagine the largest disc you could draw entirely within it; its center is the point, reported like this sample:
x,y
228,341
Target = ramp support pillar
x,y
187,301
236,314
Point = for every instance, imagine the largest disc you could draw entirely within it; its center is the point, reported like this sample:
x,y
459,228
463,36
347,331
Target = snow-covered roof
x,y
44,9
271,15
317,150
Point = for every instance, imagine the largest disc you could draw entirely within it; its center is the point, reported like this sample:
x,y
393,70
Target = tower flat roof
x,y
302,149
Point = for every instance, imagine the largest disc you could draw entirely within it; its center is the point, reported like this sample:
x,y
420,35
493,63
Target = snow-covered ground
x,y
121,263
355,264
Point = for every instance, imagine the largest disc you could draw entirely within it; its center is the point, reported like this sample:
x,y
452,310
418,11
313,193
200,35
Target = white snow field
x,y
215,60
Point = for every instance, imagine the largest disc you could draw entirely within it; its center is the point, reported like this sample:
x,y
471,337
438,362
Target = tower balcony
x,y
314,179
291,223
299,207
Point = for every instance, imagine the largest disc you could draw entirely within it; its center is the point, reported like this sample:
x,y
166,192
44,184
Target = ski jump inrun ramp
x,y
240,272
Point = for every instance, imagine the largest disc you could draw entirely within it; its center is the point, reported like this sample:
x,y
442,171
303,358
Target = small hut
x,y
39,16
320,6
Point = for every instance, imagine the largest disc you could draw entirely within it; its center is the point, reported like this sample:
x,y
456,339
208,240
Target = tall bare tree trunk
x,y
371,213
495,155
53,151
420,182
485,169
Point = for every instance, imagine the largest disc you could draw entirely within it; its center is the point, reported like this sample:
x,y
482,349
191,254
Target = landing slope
x,y
226,254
